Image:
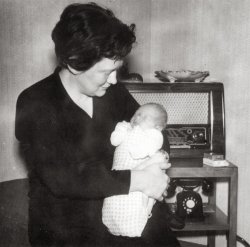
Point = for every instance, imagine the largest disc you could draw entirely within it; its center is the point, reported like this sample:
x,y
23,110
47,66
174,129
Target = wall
x,y
185,34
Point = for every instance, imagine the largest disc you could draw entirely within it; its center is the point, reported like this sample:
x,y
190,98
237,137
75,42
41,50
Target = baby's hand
x,y
123,126
164,153
120,133
158,157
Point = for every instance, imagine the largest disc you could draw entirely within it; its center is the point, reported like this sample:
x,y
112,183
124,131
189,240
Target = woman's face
x,y
96,80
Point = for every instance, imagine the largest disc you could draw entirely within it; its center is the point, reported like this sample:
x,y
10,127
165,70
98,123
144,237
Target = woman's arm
x,y
45,156
150,177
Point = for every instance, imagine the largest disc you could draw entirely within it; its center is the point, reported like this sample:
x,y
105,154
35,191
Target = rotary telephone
x,y
189,202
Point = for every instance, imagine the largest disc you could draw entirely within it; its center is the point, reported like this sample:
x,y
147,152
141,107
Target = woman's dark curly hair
x,y
86,33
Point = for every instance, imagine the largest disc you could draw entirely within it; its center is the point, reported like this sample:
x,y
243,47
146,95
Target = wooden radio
x,y
196,117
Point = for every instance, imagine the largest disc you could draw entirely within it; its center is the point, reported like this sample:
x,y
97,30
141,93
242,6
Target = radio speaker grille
x,y
182,108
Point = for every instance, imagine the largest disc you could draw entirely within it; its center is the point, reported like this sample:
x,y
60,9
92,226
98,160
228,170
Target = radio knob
x,y
195,136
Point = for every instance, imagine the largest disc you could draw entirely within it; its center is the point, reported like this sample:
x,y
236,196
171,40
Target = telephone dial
x,y
189,202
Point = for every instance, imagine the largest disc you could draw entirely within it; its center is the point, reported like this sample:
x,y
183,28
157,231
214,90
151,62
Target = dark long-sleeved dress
x,y
69,158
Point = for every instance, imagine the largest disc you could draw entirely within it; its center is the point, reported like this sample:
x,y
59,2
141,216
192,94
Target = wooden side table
x,y
215,220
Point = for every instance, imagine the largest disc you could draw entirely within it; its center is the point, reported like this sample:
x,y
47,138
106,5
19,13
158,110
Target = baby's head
x,y
150,115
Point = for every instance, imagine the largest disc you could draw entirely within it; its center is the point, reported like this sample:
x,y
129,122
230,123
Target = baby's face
x,y
145,118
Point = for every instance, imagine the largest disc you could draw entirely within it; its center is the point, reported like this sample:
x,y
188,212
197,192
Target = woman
x,y
64,123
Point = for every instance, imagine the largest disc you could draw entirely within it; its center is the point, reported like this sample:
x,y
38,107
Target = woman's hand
x,y
150,177
161,158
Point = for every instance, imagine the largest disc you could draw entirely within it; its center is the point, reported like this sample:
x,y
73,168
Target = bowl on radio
x,y
181,75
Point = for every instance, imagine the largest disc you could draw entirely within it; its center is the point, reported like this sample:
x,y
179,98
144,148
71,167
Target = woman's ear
x,y
73,71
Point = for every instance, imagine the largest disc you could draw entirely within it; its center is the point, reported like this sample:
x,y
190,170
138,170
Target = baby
x,y
127,215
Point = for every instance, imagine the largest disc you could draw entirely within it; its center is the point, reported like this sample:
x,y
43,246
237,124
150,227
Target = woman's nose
x,y
112,78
